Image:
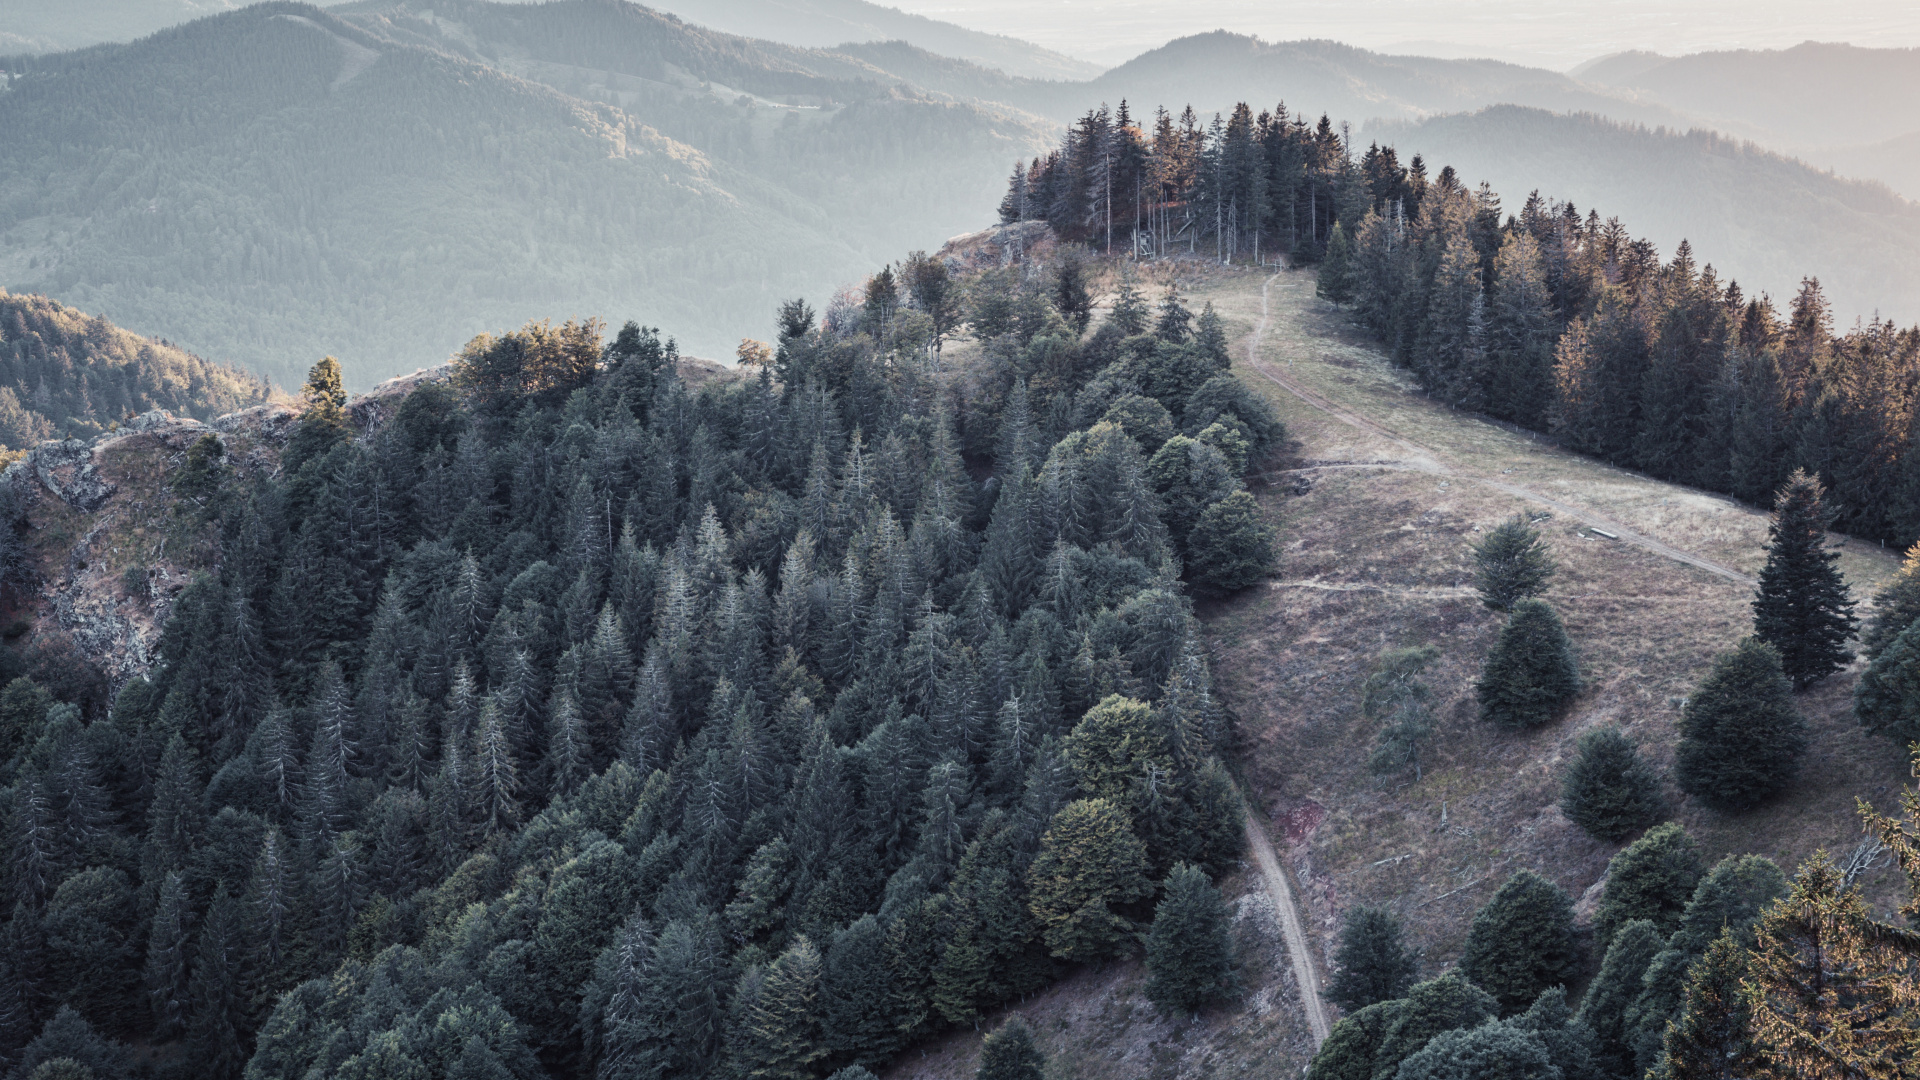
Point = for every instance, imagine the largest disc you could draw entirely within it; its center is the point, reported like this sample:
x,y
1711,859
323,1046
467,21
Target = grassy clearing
x,y
1375,557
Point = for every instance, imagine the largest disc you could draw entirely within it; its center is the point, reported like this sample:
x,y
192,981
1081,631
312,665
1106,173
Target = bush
x,y
1741,737
1521,942
1371,965
1511,563
1531,672
1608,791
1009,1054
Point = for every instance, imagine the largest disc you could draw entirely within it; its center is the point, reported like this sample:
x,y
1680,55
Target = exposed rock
x,y
66,468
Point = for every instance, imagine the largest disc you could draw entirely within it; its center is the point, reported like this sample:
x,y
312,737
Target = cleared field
x,y
1384,490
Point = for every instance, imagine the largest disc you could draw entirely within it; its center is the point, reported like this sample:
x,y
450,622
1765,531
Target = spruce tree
x,y
1614,989
1372,964
1608,791
1521,942
1511,563
1336,274
1353,1046
1803,608
1653,879
1189,952
1886,700
1230,547
1712,1037
1531,672
783,1026
856,990
1896,606
1498,1051
1430,1007
1741,736
1008,1053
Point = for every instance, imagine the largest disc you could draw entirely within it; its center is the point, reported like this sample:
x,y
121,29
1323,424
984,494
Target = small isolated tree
x,y
1531,672
1886,700
1608,791
1090,862
1521,942
1372,964
1189,953
1652,879
1802,608
1511,563
1008,1053
1229,548
1741,736
1397,700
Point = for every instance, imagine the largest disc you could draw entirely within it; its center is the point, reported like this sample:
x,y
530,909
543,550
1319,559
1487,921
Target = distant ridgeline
x,y
581,722
1553,320
63,372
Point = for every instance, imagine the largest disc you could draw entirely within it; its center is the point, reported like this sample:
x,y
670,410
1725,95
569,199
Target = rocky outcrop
x,y
67,469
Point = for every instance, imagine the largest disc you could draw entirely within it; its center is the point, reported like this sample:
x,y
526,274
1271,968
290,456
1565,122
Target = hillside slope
x,y
386,201
64,372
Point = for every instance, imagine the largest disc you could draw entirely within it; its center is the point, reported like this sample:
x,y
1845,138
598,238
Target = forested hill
x,y
63,372
575,721
272,184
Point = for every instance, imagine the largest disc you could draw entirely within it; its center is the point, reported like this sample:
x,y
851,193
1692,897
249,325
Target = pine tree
x,y
1189,952
1711,1039
857,995
1741,736
1490,1050
1090,862
1608,791
1353,1046
1652,879
1802,608
1008,1053
1613,990
782,1039
220,991
1372,964
1335,280
1896,606
1531,672
1886,700
1511,563
1230,547
1447,1003
167,955
1521,942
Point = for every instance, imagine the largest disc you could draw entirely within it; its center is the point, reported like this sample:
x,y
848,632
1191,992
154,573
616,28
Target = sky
x,y
1556,34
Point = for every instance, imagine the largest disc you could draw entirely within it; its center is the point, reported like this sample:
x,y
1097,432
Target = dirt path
x,y
1280,891
1426,460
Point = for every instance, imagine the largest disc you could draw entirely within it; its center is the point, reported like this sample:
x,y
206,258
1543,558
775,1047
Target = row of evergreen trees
x,y
578,721
1568,324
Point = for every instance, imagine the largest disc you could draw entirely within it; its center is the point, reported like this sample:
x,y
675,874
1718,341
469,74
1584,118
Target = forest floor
x,y
1375,502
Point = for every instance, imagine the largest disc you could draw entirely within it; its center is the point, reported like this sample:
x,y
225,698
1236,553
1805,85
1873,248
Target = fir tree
x,y
1613,990
1886,700
1741,736
1447,1003
1652,879
1511,563
1372,964
1531,672
1608,791
1802,608
857,995
1230,547
1711,1039
1521,942
1189,952
1335,280
1896,606
1353,1046
167,957
1498,1050
1008,1053
782,1036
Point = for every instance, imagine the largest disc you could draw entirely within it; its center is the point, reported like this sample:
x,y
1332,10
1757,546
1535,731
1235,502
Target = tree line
x,y
578,721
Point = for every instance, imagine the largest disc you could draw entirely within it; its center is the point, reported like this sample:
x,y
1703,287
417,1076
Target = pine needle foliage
x,y
1531,673
1803,608
1608,791
1511,563
1521,942
1009,1053
1189,951
1886,700
1653,879
1741,735
1896,606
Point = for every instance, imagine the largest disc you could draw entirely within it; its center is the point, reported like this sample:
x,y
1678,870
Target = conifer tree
x,y
1335,280
1886,700
1189,952
1090,862
1608,791
1741,736
1614,989
857,995
220,990
1521,942
1353,1046
1511,563
1008,1053
168,952
782,1037
1447,1003
1711,1039
1531,673
1653,879
1896,606
1230,547
1802,608
1490,1050
1372,964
